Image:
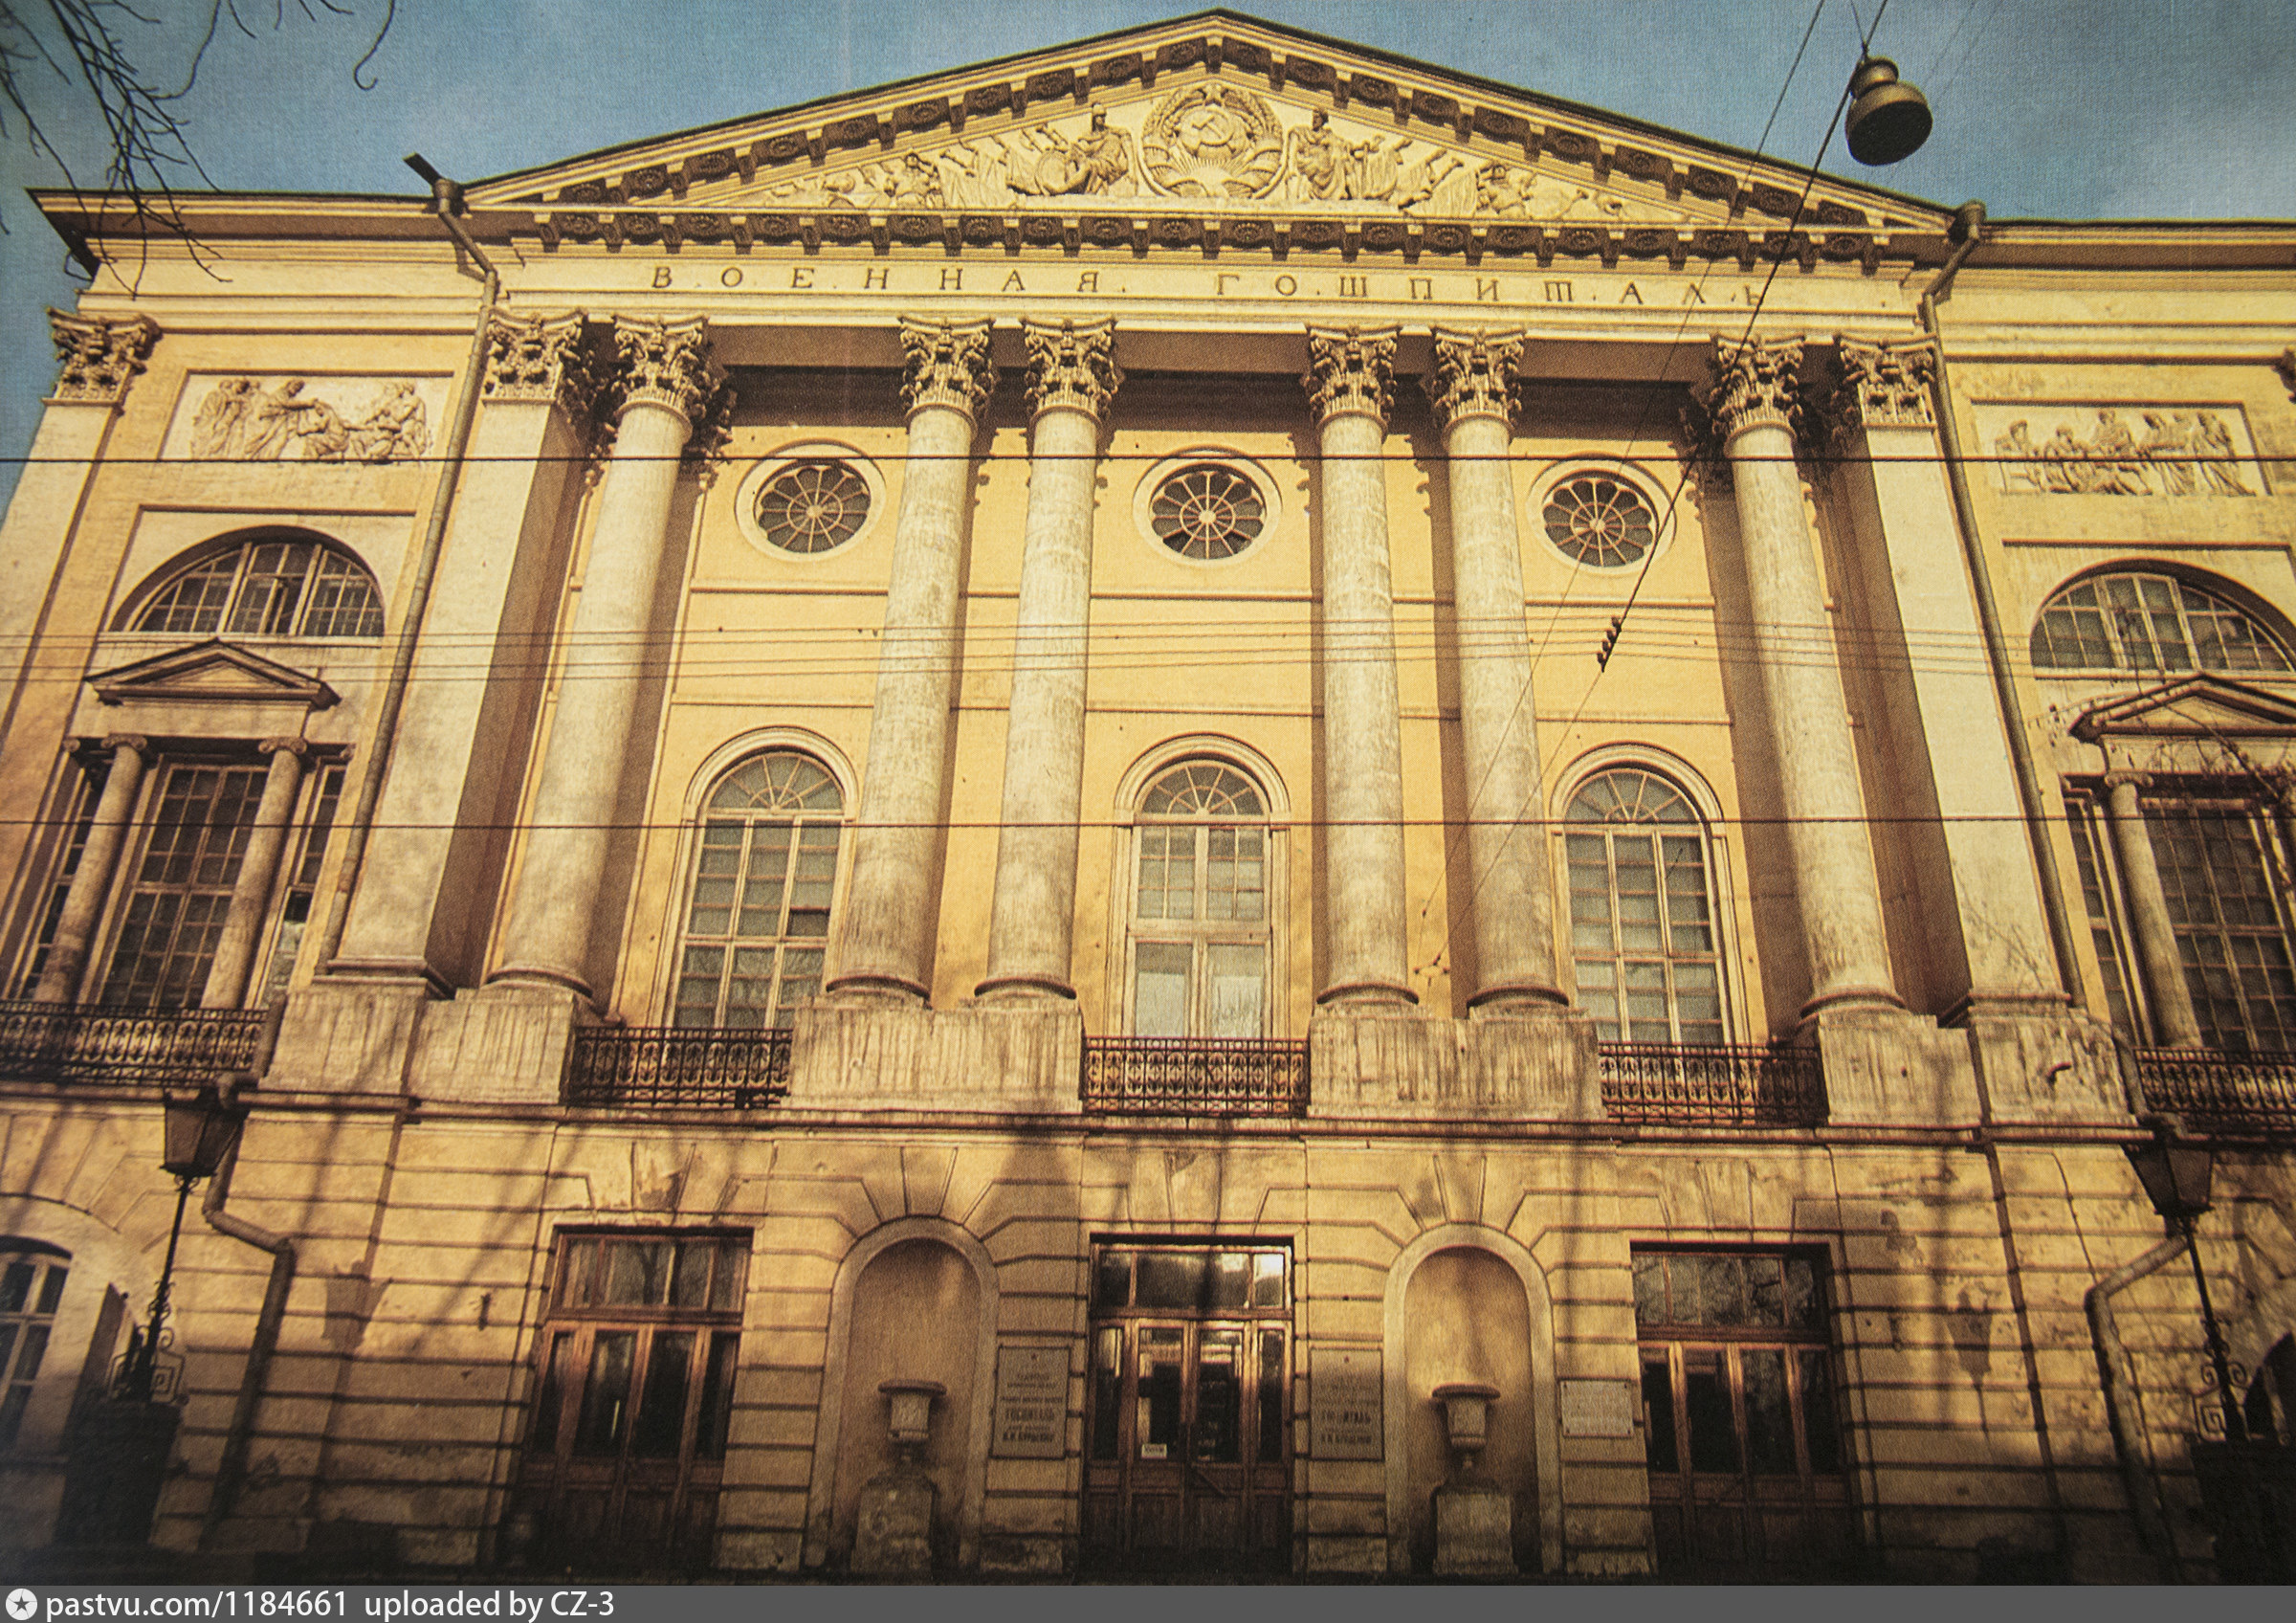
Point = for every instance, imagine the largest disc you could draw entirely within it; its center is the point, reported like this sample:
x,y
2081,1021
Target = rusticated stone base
x,y
1535,1067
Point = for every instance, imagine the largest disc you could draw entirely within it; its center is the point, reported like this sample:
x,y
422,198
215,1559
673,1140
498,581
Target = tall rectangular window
x,y
181,888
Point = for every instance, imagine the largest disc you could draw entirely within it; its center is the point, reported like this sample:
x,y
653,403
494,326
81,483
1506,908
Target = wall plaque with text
x,y
1032,1403
1598,1409
1344,1405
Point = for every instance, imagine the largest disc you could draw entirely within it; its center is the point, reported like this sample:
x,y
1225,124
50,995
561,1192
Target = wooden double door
x,y
1188,1457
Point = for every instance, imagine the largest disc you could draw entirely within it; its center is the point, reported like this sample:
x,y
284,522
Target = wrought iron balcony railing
x,y
1196,1075
673,1067
2235,1093
85,1042
1712,1085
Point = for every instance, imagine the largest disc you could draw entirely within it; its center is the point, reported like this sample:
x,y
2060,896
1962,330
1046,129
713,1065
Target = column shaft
x,y
1032,917
1362,729
665,381
2174,1022
92,880
905,780
1834,879
259,868
1506,860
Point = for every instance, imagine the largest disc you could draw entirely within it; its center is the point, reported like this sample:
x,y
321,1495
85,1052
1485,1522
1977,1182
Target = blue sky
x,y
2075,110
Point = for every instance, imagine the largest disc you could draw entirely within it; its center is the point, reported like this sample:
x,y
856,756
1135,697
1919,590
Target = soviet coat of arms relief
x,y
1218,144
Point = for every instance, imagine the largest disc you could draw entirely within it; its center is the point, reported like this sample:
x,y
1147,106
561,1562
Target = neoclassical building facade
x,y
1155,746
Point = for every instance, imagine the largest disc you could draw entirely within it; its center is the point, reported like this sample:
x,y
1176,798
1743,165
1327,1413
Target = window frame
x,y
241,548
2217,594
772,466
1201,934
1272,514
1715,851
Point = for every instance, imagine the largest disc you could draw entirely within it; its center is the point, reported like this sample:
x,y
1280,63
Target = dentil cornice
x,y
1474,374
1350,371
946,364
99,355
1072,366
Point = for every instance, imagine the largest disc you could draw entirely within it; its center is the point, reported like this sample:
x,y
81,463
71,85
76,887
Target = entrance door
x,y
1189,1456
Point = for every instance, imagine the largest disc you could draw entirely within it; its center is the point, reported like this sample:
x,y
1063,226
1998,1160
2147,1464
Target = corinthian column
x,y
92,880
947,381
259,867
661,381
1073,376
1757,408
2175,1023
1514,914
1349,384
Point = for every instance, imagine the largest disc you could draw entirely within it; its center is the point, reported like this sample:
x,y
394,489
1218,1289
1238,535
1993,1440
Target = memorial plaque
x,y
1344,1405
1032,1403
1598,1409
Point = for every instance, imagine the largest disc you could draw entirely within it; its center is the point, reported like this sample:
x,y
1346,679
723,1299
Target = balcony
x,y
1195,1077
677,1068
2241,1094
87,1042
1712,1085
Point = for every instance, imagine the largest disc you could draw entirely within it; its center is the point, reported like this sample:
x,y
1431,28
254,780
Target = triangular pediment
x,y
2198,706
213,672
1209,116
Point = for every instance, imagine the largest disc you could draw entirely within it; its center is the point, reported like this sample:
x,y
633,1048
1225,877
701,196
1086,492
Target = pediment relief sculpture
x,y
250,419
1207,143
2121,450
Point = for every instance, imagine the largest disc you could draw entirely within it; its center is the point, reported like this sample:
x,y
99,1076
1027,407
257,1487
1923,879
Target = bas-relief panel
x,y
2085,448
294,418
1218,142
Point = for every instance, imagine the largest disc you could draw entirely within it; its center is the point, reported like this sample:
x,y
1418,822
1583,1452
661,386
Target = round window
x,y
812,505
1206,511
1599,519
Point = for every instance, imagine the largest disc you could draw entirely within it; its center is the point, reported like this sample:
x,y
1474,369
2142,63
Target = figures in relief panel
x,y
2180,454
242,421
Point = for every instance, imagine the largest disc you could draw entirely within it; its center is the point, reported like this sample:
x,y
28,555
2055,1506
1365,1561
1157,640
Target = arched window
x,y
268,586
1644,943
2133,620
759,919
31,1285
1200,916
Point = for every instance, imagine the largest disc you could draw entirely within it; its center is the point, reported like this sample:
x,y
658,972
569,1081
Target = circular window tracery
x,y
813,505
1207,511
1599,519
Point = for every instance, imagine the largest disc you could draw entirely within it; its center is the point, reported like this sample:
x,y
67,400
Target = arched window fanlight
x,y
1200,925
764,867
1643,943
2133,620
268,587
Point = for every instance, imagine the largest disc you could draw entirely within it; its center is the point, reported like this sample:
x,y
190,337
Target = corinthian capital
x,y
548,359
1072,366
1756,383
664,363
1885,386
1349,370
947,365
99,355
1474,374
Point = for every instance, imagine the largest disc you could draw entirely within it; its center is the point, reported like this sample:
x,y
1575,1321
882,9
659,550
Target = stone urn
x,y
1466,1418
1474,1520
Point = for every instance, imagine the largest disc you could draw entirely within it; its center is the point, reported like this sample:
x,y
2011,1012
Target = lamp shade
x,y
1888,120
2176,1175
198,1130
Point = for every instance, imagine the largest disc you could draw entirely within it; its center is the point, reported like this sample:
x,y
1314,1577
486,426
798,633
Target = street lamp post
x,y
2176,1174
198,1129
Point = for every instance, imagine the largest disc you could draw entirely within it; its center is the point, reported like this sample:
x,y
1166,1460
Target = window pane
x,y
1268,1279
1713,1430
1171,1278
1769,1425
1230,1280
1156,1426
730,1274
606,1394
1159,999
662,1411
1659,1452
1107,1374
1820,1431
717,1412
1239,979
1804,1311
1112,1280
1271,1397
1219,1438
1651,1290
556,1373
